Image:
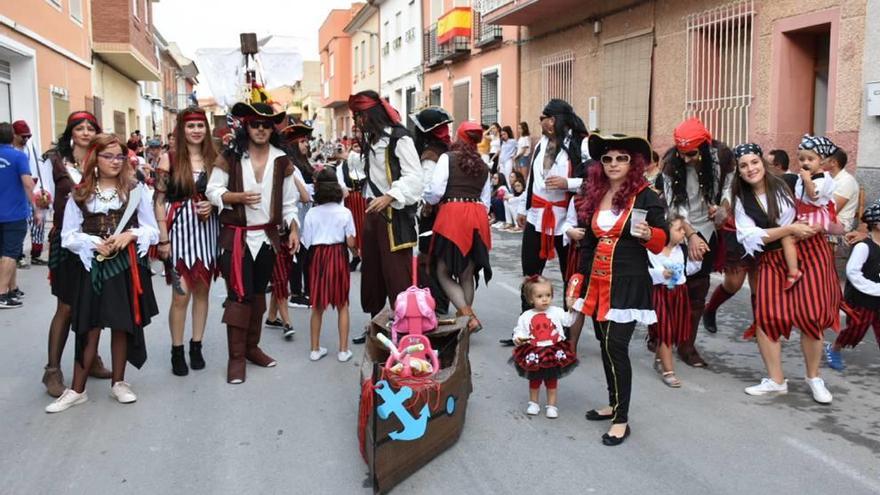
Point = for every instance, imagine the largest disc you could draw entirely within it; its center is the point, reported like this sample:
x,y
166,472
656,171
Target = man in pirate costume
x,y
556,173
394,180
351,171
432,140
253,187
692,185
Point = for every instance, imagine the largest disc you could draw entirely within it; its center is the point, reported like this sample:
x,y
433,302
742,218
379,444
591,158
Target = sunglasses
x,y
608,159
265,124
111,157
689,154
542,118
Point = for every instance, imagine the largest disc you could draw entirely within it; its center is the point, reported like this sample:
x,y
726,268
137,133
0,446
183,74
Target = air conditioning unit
x,y
593,112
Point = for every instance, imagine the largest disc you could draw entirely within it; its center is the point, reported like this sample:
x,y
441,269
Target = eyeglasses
x,y
265,124
111,157
608,159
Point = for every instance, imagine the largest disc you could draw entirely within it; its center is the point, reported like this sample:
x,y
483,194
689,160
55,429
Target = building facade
x,y
400,62
336,70
123,53
471,67
45,64
364,32
750,69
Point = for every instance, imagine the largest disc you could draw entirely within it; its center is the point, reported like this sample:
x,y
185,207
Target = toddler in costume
x,y
542,354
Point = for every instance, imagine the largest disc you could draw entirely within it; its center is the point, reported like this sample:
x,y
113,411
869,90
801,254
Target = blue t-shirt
x,y
14,203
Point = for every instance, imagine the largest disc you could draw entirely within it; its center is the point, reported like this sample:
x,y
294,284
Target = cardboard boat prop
x,y
406,421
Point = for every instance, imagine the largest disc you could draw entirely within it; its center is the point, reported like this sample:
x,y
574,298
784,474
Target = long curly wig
x,y
596,185
466,148
64,148
676,169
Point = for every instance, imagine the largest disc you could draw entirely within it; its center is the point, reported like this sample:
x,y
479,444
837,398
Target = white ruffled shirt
x,y
750,235
658,266
436,186
854,271
83,245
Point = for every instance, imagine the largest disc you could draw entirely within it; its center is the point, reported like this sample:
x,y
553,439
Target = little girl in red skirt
x,y
542,354
669,271
329,234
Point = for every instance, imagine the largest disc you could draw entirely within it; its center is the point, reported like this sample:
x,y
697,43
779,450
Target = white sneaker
x,y
67,400
533,409
768,386
316,355
820,393
343,356
121,391
552,412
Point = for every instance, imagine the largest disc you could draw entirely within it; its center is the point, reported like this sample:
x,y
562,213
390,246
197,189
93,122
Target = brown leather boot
x,y
99,371
236,340
53,379
254,354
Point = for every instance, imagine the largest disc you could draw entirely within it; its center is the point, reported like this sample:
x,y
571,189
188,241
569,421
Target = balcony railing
x,y
436,53
485,34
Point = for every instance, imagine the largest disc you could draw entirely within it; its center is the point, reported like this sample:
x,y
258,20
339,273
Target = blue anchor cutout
x,y
413,428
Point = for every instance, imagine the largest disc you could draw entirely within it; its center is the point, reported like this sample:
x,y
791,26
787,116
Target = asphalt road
x,y
292,429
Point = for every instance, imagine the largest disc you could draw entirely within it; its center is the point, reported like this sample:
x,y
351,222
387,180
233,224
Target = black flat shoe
x,y
506,342
353,264
612,441
277,323
593,415
709,322
359,340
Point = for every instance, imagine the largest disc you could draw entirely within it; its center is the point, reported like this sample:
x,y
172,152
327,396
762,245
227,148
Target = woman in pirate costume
x,y
614,263
188,230
66,163
432,140
109,225
253,187
765,213
462,239
296,139
354,178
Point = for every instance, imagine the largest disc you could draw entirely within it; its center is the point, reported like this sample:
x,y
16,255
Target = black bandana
x,y
823,146
747,149
872,213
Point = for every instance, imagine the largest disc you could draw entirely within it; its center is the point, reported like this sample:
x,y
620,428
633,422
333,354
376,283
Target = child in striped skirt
x,y
329,233
669,271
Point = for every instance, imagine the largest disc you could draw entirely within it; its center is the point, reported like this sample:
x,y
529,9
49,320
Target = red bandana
x,y
690,134
191,116
470,132
82,116
360,102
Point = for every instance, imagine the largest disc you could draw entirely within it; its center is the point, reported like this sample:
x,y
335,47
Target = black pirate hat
x,y
257,111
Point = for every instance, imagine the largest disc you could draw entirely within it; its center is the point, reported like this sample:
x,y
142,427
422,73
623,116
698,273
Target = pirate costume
x,y
113,292
392,167
194,250
325,230
670,296
544,208
546,356
614,269
821,210
250,238
291,273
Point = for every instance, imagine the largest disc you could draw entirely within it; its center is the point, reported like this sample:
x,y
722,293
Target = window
x,y
398,29
489,97
410,100
556,76
374,49
626,86
134,7
363,62
60,111
436,97
719,67
332,65
461,102
5,91
76,10
356,63
436,10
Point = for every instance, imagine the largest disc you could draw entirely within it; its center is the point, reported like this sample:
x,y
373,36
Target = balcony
x,y
436,53
485,34
525,12
124,41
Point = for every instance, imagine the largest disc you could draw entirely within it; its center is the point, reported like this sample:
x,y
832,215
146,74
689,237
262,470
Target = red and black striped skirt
x,y
812,305
357,204
329,276
281,274
673,308
857,326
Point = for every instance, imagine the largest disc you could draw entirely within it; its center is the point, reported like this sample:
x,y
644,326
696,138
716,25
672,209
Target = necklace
x,y
105,197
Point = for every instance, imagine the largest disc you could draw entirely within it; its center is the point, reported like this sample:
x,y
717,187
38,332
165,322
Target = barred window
x,y
556,75
489,97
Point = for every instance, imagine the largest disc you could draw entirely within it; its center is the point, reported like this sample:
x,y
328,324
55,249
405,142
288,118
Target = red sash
x,y
238,254
548,224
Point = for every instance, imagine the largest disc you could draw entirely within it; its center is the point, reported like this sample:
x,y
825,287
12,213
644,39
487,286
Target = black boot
x,y
709,321
353,264
178,363
196,360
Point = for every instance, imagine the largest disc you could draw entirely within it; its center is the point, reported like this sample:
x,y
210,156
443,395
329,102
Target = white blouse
x,y
854,271
329,223
750,235
607,219
824,188
559,318
73,239
659,262
436,187
256,214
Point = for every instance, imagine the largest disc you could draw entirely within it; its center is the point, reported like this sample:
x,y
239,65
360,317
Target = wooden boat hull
x,y
397,442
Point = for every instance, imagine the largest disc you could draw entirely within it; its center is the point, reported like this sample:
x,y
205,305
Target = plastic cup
x,y
637,216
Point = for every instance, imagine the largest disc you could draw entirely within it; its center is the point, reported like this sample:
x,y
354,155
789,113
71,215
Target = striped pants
x,y
38,232
857,327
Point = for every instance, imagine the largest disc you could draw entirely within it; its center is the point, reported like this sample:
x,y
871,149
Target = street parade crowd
x,y
284,218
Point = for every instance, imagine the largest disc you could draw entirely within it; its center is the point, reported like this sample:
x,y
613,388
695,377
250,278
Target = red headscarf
x,y
470,132
442,133
690,134
360,102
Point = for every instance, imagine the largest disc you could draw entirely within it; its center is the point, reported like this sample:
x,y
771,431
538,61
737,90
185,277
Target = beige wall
x,y
667,19
118,93
367,77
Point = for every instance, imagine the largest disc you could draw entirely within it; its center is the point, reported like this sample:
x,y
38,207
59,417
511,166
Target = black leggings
x,y
614,343
532,264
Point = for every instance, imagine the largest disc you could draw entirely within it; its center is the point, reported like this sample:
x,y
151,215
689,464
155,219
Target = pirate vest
x,y
461,185
871,271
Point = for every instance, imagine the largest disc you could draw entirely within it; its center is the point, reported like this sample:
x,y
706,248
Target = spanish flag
x,y
456,22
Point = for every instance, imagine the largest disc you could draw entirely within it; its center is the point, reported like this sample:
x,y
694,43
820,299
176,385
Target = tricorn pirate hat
x,y
257,111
